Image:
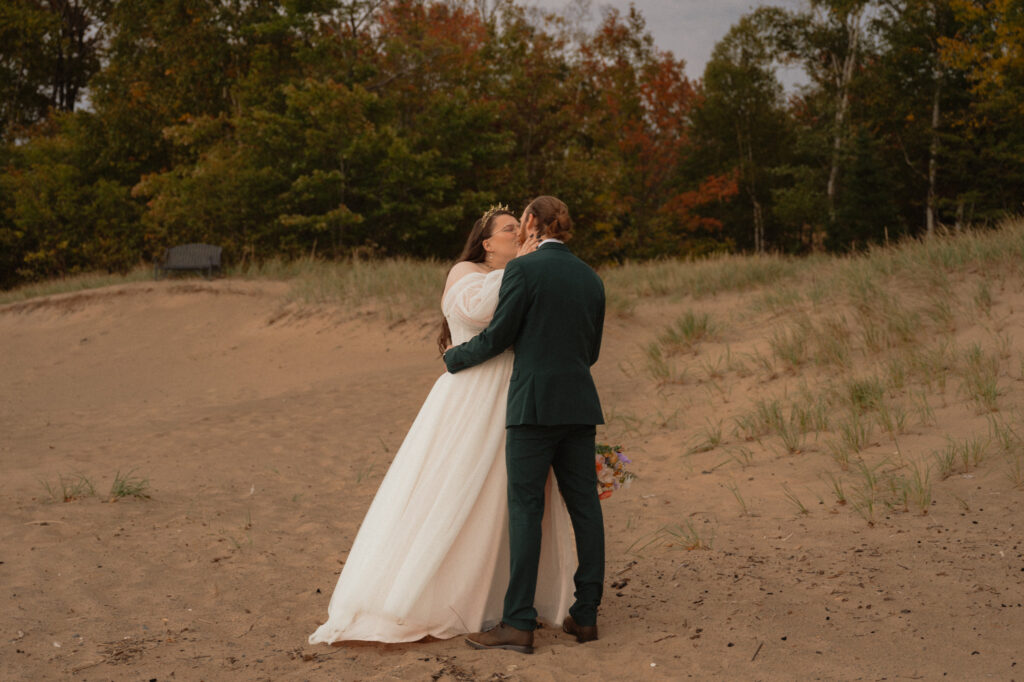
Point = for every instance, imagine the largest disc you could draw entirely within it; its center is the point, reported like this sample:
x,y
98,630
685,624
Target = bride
x,y
431,557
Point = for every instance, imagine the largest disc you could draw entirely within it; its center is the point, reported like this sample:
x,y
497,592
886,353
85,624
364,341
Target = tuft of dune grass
x,y
926,262
399,286
71,283
700,277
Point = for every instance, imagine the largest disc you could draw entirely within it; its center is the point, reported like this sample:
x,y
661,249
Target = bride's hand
x,y
530,245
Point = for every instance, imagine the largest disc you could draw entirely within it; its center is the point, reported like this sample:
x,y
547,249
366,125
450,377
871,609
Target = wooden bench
x,y
203,258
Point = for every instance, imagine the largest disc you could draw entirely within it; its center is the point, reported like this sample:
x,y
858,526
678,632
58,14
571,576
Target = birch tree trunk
x,y
933,159
843,74
745,147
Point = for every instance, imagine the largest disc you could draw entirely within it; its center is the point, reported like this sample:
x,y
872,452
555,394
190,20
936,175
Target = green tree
x,y
61,215
988,49
829,40
866,209
742,125
911,93
48,52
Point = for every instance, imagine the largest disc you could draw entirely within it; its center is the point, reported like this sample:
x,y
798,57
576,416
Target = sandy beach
x,y
263,431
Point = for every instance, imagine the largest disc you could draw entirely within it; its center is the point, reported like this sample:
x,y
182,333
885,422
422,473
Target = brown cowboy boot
x,y
583,633
503,636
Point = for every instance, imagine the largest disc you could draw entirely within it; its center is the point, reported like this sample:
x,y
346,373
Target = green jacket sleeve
x,y
595,349
501,332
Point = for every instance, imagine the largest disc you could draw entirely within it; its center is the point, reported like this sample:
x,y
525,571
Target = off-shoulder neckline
x,y
462,279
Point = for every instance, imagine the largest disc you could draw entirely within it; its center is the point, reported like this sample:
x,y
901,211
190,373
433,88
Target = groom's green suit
x,y
551,310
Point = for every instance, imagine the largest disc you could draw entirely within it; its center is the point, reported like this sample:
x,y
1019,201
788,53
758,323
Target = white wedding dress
x,y
431,557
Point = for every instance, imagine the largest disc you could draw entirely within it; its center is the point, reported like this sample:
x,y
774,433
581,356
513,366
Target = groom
x,y
551,310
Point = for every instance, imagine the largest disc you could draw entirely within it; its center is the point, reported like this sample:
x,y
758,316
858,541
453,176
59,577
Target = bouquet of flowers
x,y
611,469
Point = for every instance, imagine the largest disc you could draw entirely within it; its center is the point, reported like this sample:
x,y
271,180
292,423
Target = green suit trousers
x,y
530,452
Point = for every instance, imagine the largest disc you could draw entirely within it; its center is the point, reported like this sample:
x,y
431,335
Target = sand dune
x,y
264,433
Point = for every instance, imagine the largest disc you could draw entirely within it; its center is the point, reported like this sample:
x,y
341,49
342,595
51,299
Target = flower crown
x,y
496,208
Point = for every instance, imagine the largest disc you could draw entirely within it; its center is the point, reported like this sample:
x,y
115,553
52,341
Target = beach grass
x,y
795,501
69,488
786,282
838,491
683,335
961,456
686,535
72,283
840,355
981,378
735,490
127,485
400,286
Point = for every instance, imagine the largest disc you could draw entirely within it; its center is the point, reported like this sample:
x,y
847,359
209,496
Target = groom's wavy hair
x,y
473,252
553,220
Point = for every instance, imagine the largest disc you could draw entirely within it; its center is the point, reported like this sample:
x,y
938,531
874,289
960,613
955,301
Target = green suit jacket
x,y
551,311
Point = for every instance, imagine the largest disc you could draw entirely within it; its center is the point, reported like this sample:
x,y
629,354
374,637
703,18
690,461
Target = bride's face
x,y
503,242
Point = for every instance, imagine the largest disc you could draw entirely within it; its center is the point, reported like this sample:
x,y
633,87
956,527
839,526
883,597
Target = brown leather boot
x,y
503,636
583,633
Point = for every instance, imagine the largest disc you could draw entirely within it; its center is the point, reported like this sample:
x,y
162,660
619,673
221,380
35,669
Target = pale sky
x,y
689,28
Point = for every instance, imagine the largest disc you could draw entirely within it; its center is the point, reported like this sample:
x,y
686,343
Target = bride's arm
x,y
473,298
458,271
502,330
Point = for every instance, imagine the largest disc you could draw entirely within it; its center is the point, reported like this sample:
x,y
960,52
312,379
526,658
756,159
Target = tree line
x,y
385,127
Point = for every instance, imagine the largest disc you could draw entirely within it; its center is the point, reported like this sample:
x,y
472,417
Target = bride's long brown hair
x,y
472,252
